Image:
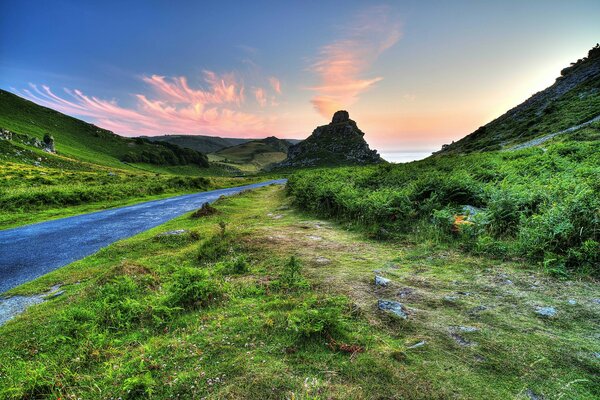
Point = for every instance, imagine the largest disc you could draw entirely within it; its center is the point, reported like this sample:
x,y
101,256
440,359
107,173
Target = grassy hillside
x,y
572,100
86,142
254,155
88,171
537,204
223,311
201,143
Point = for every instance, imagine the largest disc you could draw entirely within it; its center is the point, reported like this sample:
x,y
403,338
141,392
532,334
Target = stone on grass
x,y
417,345
172,233
381,281
393,307
572,302
546,312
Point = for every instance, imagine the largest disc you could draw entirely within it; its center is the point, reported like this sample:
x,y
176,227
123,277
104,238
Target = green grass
x,y
252,156
80,140
538,204
543,114
170,316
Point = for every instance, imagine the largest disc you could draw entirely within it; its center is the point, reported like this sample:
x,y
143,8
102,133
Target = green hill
x,y
202,143
253,155
572,101
86,142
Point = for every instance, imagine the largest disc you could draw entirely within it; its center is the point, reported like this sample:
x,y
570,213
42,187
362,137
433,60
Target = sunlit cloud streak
x,y
342,64
173,107
261,96
275,84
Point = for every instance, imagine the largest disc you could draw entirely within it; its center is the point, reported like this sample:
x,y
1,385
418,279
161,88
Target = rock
x,y
5,134
340,116
597,301
546,312
450,299
394,307
322,260
533,396
417,345
572,302
55,294
172,233
339,143
461,340
467,329
380,281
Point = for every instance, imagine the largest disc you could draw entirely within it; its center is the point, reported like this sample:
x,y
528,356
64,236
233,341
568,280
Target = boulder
x,y
393,307
380,281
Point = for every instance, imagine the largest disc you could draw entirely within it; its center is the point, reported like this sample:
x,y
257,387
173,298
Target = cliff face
x,y
572,100
338,143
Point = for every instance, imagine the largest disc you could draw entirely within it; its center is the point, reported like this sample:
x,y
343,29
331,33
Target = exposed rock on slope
x,y
572,100
339,143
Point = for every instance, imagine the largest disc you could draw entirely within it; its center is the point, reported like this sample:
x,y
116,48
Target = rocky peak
x,y
339,143
340,117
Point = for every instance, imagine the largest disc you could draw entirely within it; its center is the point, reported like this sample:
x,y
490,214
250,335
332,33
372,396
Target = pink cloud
x,y
173,107
261,96
342,63
275,84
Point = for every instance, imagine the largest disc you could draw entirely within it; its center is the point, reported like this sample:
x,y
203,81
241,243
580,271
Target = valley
x,y
470,274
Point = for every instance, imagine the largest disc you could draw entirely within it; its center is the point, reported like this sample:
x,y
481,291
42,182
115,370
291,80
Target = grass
x,y
252,156
82,141
224,311
537,204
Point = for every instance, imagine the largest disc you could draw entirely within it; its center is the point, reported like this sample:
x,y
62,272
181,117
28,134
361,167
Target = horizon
x,y
412,76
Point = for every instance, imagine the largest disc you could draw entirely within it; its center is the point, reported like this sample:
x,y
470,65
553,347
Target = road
x,y
33,250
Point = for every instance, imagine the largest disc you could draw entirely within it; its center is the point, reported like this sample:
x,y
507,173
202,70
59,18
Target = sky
x,y
413,74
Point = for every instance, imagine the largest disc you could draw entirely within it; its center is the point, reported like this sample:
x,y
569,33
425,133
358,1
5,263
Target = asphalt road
x,y
33,250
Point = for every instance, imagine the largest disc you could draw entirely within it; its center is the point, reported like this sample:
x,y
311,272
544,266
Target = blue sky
x,y
413,74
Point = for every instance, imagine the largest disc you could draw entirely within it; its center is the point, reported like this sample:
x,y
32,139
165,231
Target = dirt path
x,y
542,139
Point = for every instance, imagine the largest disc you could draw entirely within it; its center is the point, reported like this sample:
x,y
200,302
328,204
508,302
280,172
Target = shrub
x,y
235,266
317,318
191,288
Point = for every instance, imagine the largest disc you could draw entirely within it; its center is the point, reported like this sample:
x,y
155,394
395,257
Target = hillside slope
x,y
572,100
202,143
255,153
86,142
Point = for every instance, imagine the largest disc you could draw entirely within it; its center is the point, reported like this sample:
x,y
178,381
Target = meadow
x,y
258,300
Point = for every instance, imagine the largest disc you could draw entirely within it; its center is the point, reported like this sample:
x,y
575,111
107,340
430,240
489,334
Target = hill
x,y
254,154
86,142
202,143
339,143
570,103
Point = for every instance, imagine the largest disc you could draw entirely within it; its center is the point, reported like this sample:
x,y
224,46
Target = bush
x,y
317,318
235,266
192,288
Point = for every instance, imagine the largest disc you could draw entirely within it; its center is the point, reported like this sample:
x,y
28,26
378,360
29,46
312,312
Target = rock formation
x,y
338,143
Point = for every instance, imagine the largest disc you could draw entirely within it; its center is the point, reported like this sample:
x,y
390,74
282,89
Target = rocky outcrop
x,y
339,143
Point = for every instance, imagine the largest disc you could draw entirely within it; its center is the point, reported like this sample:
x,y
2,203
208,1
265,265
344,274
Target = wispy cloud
x,y
342,64
275,84
261,96
172,107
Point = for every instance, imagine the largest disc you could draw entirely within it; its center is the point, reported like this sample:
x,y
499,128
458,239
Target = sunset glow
x,y
413,79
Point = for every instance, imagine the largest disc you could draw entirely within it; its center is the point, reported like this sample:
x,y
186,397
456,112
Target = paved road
x,y
31,251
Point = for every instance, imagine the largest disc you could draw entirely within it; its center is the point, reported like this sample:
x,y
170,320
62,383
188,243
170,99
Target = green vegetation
x,y
252,156
86,142
572,100
287,310
201,143
538,204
